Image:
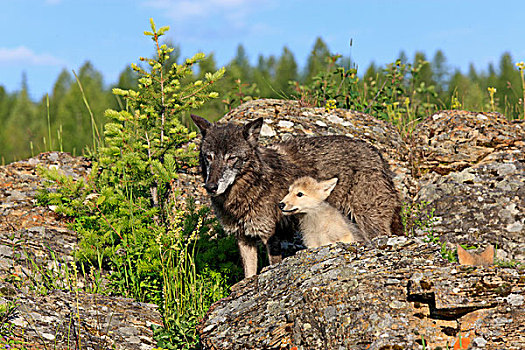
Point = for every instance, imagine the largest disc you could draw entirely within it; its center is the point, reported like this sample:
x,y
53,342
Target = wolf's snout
x,y
211,187
281,205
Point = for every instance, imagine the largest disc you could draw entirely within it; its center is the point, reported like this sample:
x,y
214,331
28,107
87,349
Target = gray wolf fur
x,y
320,223
247,181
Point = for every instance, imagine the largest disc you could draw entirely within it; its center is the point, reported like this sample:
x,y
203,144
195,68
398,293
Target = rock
x,y
34,238
381,296
83,320
453,140
473,168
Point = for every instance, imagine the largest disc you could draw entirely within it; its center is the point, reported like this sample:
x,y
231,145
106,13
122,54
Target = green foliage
x,y
401,93
242,93
418,218
127,212
8,338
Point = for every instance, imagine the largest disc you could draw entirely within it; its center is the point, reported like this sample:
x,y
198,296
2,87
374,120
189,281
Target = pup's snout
x,y
211,187
281,205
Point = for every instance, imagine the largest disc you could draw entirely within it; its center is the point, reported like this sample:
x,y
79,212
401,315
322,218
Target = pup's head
x,y
306,194
226,151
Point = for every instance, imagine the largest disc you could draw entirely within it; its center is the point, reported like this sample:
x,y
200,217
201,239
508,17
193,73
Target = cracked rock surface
x,y
388,295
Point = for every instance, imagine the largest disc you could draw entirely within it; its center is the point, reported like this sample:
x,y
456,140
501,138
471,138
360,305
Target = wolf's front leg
x,y
248,250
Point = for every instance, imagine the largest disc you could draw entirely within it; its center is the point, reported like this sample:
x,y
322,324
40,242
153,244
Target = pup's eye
x,y
300,194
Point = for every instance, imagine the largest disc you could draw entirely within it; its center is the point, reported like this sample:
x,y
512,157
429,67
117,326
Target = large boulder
x,y
473,176
394,294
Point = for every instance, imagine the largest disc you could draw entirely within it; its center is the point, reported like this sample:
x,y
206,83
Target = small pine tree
x,y
145,140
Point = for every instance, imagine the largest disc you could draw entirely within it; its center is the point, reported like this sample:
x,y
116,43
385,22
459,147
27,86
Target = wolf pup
x,y
246,182
320,223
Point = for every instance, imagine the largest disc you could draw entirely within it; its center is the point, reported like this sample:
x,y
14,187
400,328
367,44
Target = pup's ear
x,y
201,123
464,257
328,186
252,130
487,257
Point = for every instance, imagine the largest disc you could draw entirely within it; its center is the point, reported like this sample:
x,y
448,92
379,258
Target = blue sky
x,y
42,37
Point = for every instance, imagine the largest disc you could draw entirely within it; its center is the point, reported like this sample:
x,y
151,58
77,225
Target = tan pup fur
x,y
320,223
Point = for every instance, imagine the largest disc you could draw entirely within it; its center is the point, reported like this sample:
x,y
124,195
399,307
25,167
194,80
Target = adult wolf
x,y
247,181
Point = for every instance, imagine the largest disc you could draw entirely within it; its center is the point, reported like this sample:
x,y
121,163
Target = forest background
x,y
61,120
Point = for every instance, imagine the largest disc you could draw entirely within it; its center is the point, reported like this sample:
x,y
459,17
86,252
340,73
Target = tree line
x,y
71,115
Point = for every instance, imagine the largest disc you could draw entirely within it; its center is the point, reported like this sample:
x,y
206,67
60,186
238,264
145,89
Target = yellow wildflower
x,y
331,104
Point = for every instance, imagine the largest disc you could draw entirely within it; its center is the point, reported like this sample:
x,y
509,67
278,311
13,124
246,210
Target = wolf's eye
x,y
231,159
209,157
300,194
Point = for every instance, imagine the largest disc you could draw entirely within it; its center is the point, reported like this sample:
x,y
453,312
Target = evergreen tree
x,y
60,89
440,74
425,70
467,94
263,75
214,109
22,127
240,65
508,86
127,79
402,57
5,106
73,118
285,72
206,65
317,60
472,74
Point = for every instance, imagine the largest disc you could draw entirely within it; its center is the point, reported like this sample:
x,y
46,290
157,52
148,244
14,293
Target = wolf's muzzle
x,y
211,187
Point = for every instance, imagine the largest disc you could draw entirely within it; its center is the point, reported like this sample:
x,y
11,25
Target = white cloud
x,y
23,55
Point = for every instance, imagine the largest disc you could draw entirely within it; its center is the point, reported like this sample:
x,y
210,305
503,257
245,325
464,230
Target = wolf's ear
x,y
201,123
328,186
252,130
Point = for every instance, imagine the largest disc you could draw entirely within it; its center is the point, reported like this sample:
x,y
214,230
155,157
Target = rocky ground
x,y
466,170
34,243
394,294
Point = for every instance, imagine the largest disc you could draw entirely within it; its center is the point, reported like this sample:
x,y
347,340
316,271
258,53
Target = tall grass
x,y
97,140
